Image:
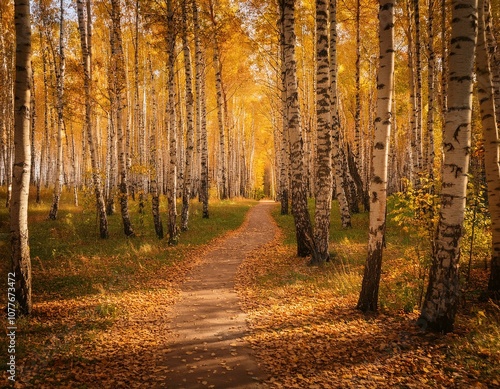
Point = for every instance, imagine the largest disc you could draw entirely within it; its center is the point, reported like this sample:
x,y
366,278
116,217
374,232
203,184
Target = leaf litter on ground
x,y
308,334
115,338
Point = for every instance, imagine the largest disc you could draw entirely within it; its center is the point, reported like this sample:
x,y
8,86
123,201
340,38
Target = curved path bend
x,y
208,350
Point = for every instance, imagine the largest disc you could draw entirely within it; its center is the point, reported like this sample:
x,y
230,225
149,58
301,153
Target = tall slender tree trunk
x,y
368,298
357,109
418,86
303,226
45,159
119,82
492,33
339,161
172,121
74,171
355,160
180,132
441,300
284,141
20,251
324,180
111,157
431,77
85,27
220,107
60,118
413,138
6,109
187,187
153,164
491,140
33,129
139,114
201,112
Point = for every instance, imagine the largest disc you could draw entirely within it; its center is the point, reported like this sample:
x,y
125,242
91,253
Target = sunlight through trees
x,y
303,102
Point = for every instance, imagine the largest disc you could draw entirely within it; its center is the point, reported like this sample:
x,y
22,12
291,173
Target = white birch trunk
x,y
339,160
303,226
60,74
85,28
119,82
20,276
188,170
324,180
172,129
441,300
201,117
491,138
368,298
431,77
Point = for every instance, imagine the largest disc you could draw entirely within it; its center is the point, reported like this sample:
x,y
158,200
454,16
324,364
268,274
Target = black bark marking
x,y
448,146
457,169
457,131
461,39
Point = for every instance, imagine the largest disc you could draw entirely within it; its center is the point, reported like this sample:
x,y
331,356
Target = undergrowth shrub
x,y
416,212
476,240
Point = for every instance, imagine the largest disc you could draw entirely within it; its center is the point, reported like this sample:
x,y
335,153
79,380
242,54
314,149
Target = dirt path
x,y
209,326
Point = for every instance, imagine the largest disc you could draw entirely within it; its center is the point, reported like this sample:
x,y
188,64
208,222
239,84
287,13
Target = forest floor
x,y
245,312
306,332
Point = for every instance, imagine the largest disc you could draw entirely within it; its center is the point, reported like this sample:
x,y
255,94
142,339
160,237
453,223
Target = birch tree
x,y
6,103
172,123
187,187
368,298
85,27
431,77
284,142
303,226
220,106
201,111
111,155
418,86
489,120
20,251
60,118
139,112
118,66
324,136
153,165
357,109
339,160
441,300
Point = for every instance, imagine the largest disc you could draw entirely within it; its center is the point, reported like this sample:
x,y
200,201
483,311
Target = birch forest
x,y
377,116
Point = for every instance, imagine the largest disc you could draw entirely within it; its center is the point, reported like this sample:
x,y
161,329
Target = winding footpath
x,y
208,350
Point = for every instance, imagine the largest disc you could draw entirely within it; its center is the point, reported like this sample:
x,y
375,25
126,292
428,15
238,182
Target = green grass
x,y
354,238
404,268
70,260
81,283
